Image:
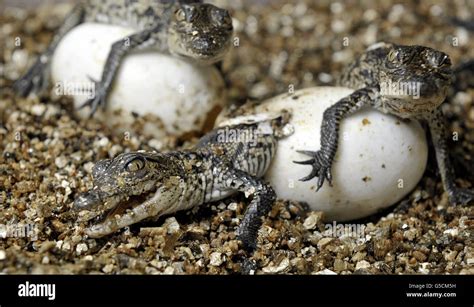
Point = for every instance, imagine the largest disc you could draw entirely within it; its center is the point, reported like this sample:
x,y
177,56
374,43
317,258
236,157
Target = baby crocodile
x,y
139,185
374,76
184,28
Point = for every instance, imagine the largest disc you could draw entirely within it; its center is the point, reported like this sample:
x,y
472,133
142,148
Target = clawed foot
x,y
99,99
249,244
321,167
34,81
248,266
461,196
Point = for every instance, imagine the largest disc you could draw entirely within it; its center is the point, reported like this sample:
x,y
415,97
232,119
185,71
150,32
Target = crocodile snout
x,y
86,200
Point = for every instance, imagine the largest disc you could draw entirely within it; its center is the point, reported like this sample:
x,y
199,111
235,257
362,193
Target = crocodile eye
x,y
221,17
135,165
180,15
444,61
191,13
392,55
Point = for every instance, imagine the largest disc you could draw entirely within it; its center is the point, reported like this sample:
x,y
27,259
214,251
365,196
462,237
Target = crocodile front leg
x,y
262,201
438,135
36,78
322,159
118,50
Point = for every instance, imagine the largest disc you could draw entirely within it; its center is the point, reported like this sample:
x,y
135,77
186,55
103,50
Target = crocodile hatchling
x,y
188,29
140,185
381,66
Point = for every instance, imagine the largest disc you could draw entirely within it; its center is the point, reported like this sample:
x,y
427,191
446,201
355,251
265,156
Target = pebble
x,y
59,244
323,242
467,271
451,256
20,58
312,220
81,248
151,271
47,246
115,150
61,161
410,235
363,264
259,90
104,141
326,272
3,255
108,268
358,256
38,109
172,225
453,232
216,259
424,268
25,186
232,206
419,256
282,266
169,270
66,246
339,265
156,144
89,166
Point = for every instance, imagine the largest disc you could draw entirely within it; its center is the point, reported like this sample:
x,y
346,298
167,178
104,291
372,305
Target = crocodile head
x,y
201,32
413,79
123,182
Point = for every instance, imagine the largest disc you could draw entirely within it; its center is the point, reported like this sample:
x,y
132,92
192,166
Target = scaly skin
x,y
163,183
184,28
381,65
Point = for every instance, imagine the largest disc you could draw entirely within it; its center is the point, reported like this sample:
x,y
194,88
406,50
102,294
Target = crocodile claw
x,y
99,98
461,196
34,81
321,167
248,266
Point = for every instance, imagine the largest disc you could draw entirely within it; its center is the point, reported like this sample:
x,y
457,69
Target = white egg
x,y
181,94
379,159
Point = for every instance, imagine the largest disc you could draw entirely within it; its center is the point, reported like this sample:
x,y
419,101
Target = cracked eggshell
x,y
184,96
379,160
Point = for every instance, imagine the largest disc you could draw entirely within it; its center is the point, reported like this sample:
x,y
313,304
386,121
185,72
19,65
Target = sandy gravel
x,y
46,156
